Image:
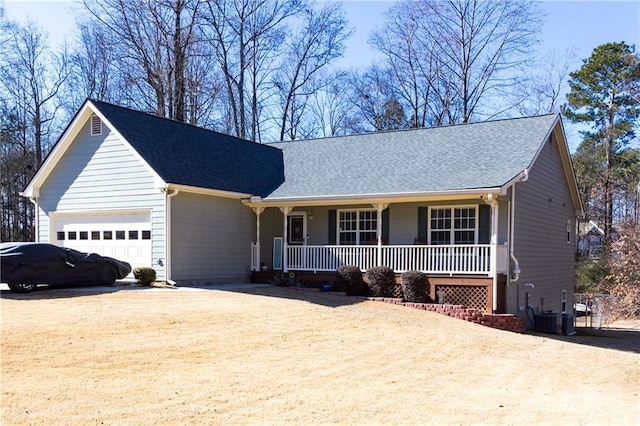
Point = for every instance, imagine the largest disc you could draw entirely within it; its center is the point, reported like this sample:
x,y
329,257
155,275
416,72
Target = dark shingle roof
x,y
442,159
188,155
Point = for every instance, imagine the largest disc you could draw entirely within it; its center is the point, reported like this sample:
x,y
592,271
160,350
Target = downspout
x,y
36,237
493,202
167,227
516,266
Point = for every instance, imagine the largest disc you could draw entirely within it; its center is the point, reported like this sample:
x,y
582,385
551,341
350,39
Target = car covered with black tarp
x,y
25,265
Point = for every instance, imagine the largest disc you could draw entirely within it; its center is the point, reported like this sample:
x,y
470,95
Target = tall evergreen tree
x,y
603,97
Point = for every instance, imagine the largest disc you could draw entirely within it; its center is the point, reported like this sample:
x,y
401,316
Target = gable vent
x,y
96,125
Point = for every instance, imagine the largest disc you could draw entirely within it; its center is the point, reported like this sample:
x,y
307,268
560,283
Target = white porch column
x,y
490,199
379,208
258,211
285,212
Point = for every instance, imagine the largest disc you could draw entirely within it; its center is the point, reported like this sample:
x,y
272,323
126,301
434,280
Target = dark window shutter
x,y
385,225
423,225
332,227
484,224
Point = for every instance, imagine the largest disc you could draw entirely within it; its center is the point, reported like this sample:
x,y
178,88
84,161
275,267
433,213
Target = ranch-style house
x,y
482,208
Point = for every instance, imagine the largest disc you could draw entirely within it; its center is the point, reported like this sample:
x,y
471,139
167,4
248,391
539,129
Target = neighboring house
x,y
590,240
482,208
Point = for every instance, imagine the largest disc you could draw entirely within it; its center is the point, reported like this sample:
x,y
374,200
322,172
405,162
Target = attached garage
x,y
153,192
123,235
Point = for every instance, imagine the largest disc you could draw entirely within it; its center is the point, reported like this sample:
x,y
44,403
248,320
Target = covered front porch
x,y
462,275
458,242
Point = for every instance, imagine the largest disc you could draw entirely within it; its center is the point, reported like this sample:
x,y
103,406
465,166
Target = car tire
x,y
22,287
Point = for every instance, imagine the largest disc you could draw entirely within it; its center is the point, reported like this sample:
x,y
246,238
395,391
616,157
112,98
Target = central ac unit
x,y
549,322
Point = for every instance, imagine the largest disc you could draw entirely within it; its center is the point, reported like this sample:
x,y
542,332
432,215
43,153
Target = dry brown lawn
x,y
280,356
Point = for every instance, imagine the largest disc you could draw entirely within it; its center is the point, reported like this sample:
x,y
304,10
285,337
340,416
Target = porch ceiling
x,y
337,200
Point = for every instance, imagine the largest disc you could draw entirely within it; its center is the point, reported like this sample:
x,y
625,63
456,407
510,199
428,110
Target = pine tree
x,y
605,97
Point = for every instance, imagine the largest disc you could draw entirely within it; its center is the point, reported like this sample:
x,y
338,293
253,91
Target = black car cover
x,y
43,263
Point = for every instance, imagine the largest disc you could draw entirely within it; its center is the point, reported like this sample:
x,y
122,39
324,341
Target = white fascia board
x,y
207,191
64,142
569,170
517,178
371,198
58,150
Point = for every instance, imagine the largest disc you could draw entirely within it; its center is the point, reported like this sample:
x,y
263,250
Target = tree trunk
x,y
179,64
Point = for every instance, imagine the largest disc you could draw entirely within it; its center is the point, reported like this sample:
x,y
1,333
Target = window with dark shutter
x,y
453,225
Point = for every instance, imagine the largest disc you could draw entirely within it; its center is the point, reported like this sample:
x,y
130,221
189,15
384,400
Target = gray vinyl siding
x,y
271,225
211,239
543,206
44,230
99,173
403,223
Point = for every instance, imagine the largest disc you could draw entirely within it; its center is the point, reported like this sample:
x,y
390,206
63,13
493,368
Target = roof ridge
x,y
419,129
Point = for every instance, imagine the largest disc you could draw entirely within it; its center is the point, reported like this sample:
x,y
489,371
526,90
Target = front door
x,y
296,229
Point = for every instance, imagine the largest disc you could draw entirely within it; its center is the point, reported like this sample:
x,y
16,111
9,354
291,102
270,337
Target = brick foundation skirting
x,y
507,322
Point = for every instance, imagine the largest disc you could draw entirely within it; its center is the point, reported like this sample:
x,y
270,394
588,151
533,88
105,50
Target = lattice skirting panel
x,y
397,291
469,296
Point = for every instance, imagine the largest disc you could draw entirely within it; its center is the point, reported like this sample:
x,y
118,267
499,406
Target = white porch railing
x,y
330,258
440,259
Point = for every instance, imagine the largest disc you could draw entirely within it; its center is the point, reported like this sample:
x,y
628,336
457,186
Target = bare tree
x,y
369,92
456,54
318,41
204,86
330,108
93,67
31,76
623,281
541,92
482,42
5,25
411,61
210,63
156,40
245,35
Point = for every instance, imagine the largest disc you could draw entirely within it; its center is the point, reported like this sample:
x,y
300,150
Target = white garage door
x,y
124,236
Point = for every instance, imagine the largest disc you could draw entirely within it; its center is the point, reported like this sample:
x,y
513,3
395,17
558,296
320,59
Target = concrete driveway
x,y
126,285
